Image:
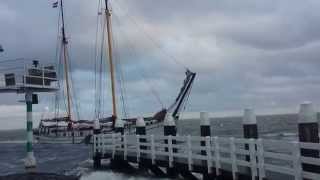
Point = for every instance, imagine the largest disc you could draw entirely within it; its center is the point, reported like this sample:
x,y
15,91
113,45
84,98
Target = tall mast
x,y
65,60
108,18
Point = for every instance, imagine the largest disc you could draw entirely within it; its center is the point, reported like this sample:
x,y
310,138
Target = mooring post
x,y
141,130
170,129
308,132
120,162
119,126
96,153
30,161
250,130
205,131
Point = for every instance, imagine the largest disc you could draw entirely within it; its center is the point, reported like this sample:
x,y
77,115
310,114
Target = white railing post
x,y
260,151
189,152
24,75
99,143
153,151
209,153
297,161
113,145
233,158
125,146
253,159
170,151
42,76
217,155
94,143
102,143
138,147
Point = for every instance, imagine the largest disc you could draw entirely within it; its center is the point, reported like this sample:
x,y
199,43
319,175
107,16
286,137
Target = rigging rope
x,y
141,70
96,116
74,100
61,77
120,79
152,40
58,59
102,45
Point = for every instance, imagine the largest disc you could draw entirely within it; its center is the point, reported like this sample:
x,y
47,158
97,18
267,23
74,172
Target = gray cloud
x,y
262,54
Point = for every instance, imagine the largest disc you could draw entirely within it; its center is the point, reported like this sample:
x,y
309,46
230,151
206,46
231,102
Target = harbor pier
x,y
216,157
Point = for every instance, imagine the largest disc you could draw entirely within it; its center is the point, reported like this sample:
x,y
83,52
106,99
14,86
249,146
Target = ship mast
x,y
65,61
108,18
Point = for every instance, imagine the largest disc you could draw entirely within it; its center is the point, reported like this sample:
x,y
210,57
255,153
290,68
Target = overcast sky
x,y
249,53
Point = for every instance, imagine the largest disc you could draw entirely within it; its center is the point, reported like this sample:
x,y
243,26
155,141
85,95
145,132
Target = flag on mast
x,y
55,5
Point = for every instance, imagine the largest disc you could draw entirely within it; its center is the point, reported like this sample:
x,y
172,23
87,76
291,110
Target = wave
x,y
13,142
113,176
286,134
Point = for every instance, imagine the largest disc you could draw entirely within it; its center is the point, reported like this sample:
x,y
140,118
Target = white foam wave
x,y
7,165
286,134
112,176
13,142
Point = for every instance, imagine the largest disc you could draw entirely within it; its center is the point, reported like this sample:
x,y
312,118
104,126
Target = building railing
x,y
234,154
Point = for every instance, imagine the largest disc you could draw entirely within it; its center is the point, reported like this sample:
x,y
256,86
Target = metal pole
x,y
30,161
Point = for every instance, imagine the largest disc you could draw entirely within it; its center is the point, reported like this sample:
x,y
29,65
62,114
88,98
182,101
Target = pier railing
x,y
257,157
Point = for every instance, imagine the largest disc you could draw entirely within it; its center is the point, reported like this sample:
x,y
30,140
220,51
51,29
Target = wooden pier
x,y
214,157
225,157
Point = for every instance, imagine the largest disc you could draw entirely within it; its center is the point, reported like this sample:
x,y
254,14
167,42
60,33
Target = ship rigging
x,y
106,59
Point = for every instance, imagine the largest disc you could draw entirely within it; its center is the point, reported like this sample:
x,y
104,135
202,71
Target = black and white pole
x,y
250,130
204,127
205,131
170,130
97,155
30,161
119,126
96,127
141,130
140,126
308,132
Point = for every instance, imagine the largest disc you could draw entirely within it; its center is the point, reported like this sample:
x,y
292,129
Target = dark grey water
x,y
75,159
50,157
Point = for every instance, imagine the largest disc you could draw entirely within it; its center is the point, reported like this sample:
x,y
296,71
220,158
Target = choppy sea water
x,y
76,159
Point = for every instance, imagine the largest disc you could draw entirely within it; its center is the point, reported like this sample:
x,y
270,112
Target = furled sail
x,y
183,94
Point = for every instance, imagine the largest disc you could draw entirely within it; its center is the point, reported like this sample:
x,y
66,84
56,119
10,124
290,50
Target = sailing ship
x,y
68,129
